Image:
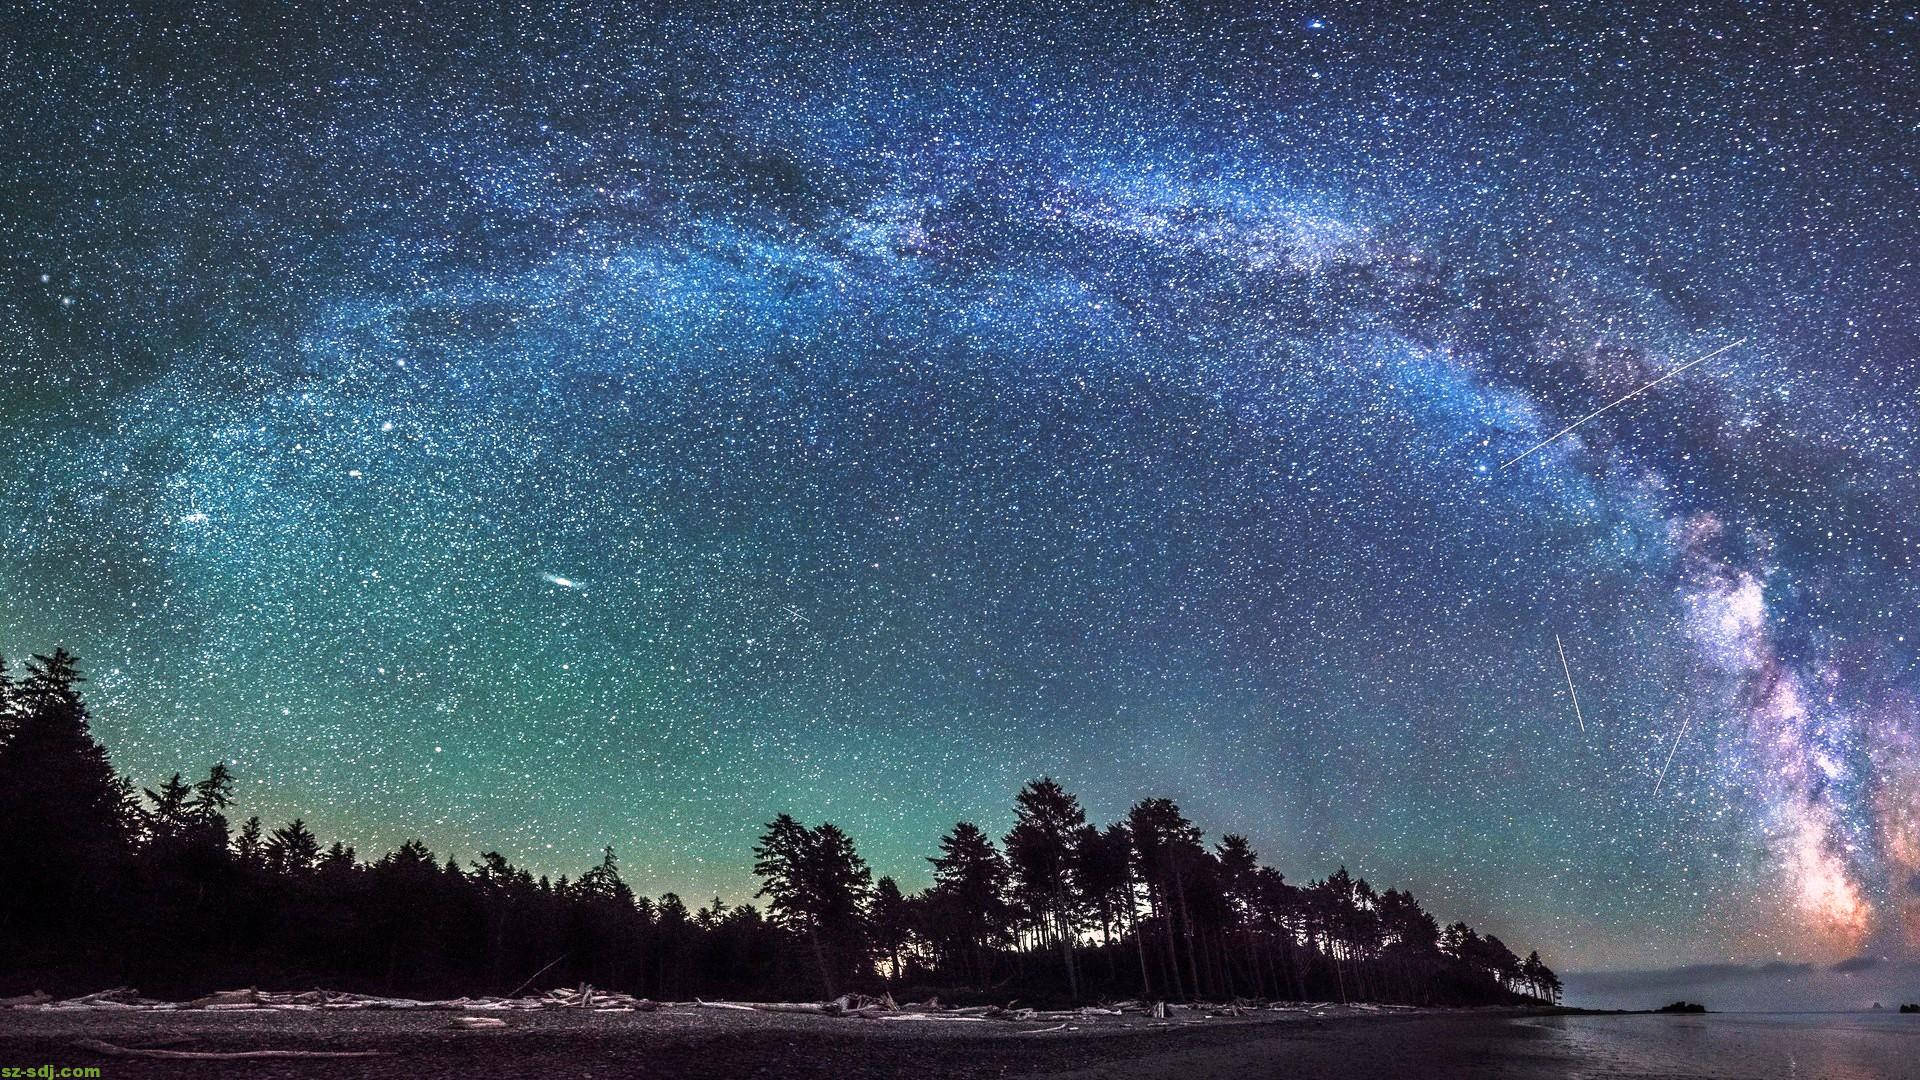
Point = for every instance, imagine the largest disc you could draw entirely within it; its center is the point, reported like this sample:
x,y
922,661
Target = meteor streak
x,y
1670,753
1569,673
1621,400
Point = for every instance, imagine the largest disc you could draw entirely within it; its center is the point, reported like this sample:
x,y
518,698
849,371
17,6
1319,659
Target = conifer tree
x,y
967,910
64,816
292,849
1040,848
816,882
892,921
248,848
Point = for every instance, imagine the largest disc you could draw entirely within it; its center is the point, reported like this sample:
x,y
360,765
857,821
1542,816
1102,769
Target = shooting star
x,y
1670,753
1569,673
1555,437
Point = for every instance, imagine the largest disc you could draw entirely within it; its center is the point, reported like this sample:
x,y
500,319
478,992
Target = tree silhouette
x,y
170,815
966,912
892,925
65,818
159,892
1166,848
212,796
248,847
1040,848
1239,869
292,849
818,884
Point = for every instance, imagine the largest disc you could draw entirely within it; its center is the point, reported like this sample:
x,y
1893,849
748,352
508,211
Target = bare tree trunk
x,y
1165,911
1063,926
1139,942
820,957
1186,929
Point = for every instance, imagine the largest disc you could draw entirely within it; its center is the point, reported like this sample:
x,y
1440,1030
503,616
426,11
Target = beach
x,y
701,1044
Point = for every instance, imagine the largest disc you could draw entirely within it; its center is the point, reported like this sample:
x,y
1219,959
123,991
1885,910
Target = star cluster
x,y
563,425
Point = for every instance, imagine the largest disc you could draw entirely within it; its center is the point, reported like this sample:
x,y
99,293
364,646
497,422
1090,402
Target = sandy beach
x,y
1506,1044
708,1043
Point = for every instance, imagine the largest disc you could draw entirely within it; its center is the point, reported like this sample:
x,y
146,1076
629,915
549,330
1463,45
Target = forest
x,y
108,883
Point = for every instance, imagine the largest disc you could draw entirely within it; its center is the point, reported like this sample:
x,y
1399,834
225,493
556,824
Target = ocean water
x,y
1734,1046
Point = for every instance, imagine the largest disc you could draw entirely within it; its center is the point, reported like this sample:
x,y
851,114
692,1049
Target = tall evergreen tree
x,y
603,882
816,882
1166,848
212,796
292,849
65,818
966,910
249,850
1238,875
170,816
1047,825
892,923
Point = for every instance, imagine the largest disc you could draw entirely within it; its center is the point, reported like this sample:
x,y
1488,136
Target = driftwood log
x,y
111,1050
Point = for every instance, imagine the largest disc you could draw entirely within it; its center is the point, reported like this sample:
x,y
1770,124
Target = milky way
x,y
580,425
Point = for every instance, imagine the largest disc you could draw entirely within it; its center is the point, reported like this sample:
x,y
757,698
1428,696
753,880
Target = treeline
x,y
106,883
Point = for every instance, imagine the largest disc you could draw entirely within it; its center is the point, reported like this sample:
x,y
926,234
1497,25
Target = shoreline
x,y
682,1042
695,1043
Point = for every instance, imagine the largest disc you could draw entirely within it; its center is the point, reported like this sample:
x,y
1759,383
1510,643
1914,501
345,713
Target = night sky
x,y
576,424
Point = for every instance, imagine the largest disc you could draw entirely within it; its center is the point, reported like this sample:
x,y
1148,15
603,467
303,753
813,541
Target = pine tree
x,y
603,882
817,883
337,863
170,816
1550,985
214,794
292,849
1102,867
1238,874
1166,846
64,821
248,849
1530,975
966,910
1040,848
892,919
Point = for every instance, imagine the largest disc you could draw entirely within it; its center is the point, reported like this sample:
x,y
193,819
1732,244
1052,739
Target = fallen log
x,y
248,996
111,1050
114,994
